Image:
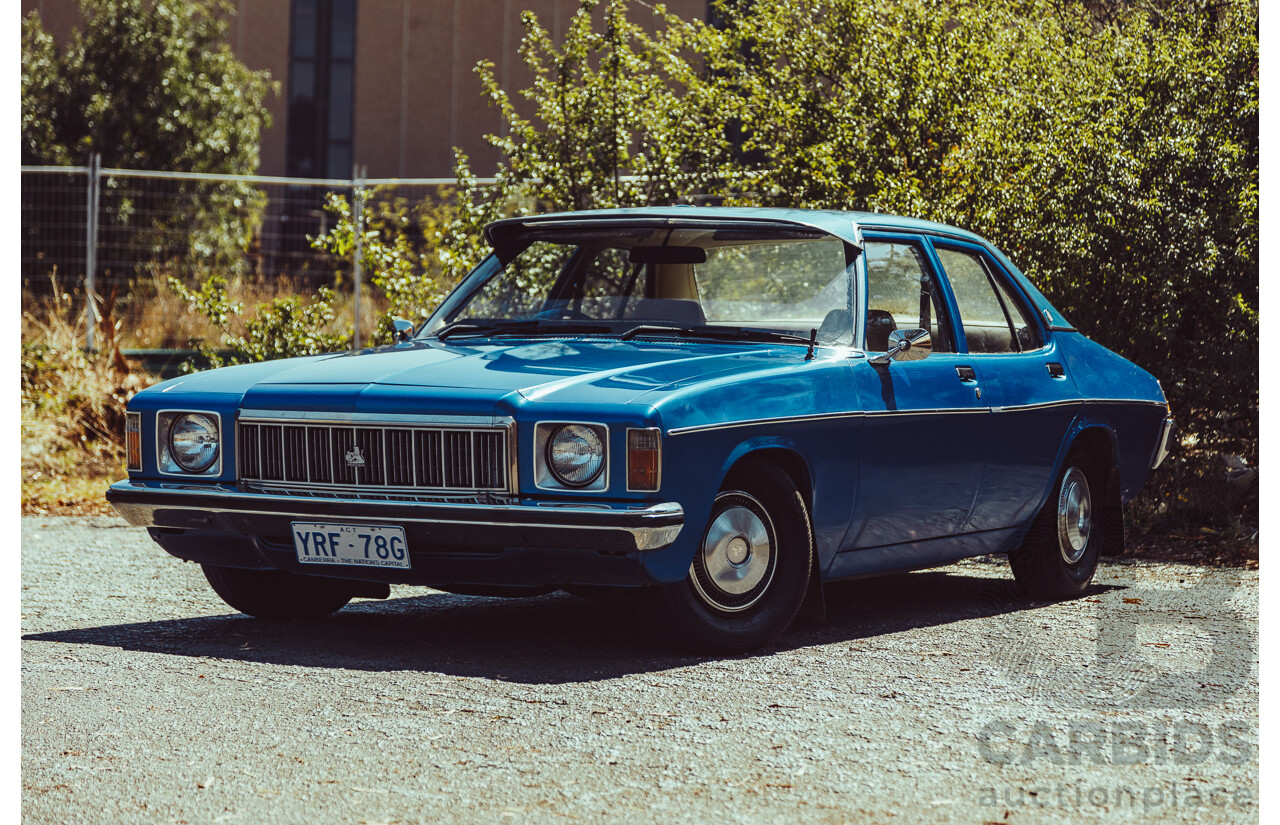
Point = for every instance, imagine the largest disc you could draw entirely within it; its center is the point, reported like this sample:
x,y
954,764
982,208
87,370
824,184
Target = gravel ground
x,y
932,697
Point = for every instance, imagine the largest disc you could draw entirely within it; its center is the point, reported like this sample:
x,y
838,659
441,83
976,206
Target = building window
x,y
322,50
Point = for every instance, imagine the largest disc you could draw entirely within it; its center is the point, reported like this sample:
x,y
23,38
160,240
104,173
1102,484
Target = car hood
x,y
431,376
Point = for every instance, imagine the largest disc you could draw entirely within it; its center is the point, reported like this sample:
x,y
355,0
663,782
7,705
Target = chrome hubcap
x,y
1075,515
738,550
735,564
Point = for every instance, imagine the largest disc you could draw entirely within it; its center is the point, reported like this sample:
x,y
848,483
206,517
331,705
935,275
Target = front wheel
x,y
276,594
1059,555
751,570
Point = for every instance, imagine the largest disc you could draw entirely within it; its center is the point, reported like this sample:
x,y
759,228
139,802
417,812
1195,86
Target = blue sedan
x,y
713,409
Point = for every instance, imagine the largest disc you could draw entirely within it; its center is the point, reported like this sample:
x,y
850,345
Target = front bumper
x,y
616,529
507,545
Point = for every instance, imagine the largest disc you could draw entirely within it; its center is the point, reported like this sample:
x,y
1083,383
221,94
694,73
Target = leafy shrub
x,y
400,254
1111,149
284,327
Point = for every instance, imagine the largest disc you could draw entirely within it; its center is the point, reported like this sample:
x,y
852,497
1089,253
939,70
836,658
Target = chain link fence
x,y
105,231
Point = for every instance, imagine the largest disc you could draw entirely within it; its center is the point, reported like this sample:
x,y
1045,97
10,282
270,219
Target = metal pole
x,y
91,252
357,217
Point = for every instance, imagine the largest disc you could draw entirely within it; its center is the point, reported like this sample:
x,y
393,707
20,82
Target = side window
x,y
902,294
993,320
1024,329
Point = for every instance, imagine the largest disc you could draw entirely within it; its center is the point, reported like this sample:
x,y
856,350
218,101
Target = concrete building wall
x,y
416,94
260,38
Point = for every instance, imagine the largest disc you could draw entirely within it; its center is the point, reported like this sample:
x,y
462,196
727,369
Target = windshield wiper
x,y
720,333
751,333
536,326
557,328
650,329
472,326
524,327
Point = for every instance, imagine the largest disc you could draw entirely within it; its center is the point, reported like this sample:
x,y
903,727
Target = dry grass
x,y
73,402
79,495
73,406
1201,505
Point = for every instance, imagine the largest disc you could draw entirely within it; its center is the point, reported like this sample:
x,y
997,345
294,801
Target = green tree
x,y
152,85
1112,152
149,84
399,250
609,121
1144,222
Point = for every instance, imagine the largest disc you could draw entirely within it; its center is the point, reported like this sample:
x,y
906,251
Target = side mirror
x,y
906,345
404,329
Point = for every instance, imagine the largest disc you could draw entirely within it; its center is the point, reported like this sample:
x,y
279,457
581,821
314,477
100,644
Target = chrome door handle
x,y
966,373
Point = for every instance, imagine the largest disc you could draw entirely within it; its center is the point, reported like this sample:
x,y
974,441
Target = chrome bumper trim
x,y
652,527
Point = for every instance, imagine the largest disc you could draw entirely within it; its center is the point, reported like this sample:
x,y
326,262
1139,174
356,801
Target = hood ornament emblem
x,y
355,458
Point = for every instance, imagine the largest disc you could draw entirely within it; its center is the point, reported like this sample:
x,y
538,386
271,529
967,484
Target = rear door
x,y
1033,398
925,436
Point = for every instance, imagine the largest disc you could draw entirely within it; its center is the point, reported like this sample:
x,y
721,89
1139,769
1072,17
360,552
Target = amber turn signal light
x,y
133,440
644,460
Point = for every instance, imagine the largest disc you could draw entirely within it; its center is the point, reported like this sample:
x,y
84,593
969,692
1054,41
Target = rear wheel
x,y
275,594
1059,555
751,570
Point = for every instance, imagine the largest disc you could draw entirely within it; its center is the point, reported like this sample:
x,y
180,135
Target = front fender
x,y
824,451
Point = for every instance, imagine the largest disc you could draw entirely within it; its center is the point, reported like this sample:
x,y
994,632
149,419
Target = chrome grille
x,y
353,455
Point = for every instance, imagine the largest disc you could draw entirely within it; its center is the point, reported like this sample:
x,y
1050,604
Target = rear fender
x,y
1100,439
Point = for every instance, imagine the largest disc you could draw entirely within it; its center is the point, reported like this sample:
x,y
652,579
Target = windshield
x,y
720,282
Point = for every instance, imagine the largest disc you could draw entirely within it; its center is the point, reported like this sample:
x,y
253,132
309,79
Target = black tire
x,y
275,594
1059,555
771,580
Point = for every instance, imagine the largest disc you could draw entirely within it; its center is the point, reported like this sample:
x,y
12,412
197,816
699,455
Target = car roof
x,y
844,225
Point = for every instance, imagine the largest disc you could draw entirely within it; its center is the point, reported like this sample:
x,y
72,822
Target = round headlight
x,y
575,455
193,441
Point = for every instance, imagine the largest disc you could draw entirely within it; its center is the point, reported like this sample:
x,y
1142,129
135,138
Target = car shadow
x,y
549,639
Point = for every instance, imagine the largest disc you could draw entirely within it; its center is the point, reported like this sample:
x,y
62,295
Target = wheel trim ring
x,y
1075,515
714,577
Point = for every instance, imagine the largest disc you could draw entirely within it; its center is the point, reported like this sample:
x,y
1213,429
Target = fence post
x,y
91,253
357,216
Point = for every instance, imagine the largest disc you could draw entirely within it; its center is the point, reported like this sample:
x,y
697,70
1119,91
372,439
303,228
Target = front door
x,y
926,432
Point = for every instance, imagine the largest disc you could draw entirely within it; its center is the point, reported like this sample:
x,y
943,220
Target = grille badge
x,y
355,458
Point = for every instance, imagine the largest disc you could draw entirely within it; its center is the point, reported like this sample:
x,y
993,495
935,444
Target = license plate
x,y
356,544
